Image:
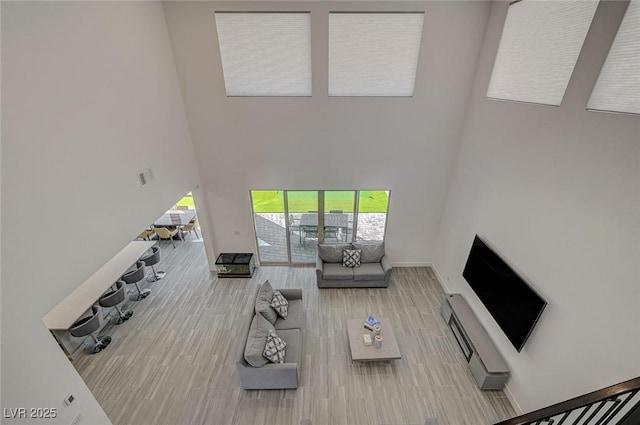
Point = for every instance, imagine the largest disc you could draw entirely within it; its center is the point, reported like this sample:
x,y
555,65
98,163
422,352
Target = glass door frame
x,y
320,233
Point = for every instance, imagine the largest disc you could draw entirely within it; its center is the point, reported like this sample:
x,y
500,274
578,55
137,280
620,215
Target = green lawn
x,y
188,201
272,201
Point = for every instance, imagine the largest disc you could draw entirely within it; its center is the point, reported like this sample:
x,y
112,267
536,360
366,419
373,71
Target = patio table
x,y
332,220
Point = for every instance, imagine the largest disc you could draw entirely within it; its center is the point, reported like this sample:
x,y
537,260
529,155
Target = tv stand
x,y
487,365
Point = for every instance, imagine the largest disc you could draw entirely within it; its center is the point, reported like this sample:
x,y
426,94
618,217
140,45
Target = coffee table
x,y
369,353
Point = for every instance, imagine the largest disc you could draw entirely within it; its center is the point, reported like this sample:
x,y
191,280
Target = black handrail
x,y
543,415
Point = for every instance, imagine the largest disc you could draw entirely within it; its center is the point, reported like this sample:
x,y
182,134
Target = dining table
x,y
174,218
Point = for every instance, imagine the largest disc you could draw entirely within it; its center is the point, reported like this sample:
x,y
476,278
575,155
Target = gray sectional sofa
x,y
255,370
374,270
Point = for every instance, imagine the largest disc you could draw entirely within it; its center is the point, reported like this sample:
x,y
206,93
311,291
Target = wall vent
x,y
143,179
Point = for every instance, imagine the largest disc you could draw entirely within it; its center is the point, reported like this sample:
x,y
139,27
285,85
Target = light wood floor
x,y
174,361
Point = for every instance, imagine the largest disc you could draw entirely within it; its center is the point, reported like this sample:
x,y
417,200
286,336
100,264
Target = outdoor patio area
x,y
272,236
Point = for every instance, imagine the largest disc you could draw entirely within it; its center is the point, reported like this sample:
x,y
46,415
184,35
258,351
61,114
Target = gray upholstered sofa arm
x,y
291,293
272,375
319,265
386,266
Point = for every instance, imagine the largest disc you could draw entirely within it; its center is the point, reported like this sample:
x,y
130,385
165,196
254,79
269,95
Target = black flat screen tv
x,y
514,305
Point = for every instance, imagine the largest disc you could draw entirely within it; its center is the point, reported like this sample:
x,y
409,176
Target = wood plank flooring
x,y
174,361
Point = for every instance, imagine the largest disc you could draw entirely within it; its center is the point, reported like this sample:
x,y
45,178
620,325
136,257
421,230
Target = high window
x,y
539,47
373,54
290,223
265,54
618,86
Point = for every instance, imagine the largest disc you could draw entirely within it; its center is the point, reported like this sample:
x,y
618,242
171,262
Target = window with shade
x,y
374,54
265,54
618,86
538,50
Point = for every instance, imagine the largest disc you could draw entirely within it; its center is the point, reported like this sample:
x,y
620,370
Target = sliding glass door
x,y
270,225
339,209
373,206
303,225
289,224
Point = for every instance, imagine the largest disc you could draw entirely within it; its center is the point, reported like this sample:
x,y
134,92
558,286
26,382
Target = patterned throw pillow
x,y
351,258
280,304
274,349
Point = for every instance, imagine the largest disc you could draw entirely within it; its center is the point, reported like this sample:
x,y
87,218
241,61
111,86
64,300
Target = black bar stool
x,y
87,326
112,299
150,260
135,276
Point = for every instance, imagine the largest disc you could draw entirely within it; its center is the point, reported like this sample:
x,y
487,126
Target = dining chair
x,y
193,225
165,233
147,234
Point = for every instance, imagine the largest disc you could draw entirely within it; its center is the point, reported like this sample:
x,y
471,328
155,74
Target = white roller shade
x,y
265,54
618,86
540,44
373,54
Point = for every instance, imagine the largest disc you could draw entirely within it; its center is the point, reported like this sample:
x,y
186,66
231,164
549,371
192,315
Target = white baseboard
x,y
440,279
513,401
417,264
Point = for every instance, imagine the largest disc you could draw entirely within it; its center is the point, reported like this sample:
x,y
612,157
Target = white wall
x,y
556,191
90,98
0,202
406,145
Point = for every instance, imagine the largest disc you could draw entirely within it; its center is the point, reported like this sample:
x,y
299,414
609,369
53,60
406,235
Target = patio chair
x,y
331,232
310,232
294,226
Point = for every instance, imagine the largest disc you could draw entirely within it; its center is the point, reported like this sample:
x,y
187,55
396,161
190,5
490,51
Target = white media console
x,y
487,365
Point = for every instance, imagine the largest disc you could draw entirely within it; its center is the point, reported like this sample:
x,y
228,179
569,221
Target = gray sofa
x,y
374,270
256,372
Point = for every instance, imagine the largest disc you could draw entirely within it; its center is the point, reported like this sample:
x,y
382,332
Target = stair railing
x,y
615,405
